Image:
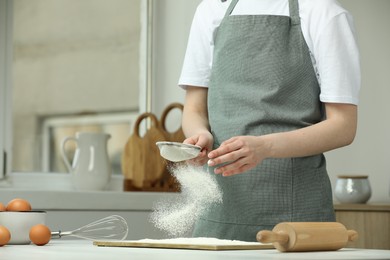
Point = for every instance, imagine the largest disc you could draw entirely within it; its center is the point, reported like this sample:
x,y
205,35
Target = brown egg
x,y
5,235
40,234
18,205
2,207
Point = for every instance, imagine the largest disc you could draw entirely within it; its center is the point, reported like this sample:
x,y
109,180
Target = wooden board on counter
x,y
141,160
191,244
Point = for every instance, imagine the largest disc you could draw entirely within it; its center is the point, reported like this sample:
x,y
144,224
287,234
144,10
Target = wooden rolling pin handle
x,y
266,236
352,235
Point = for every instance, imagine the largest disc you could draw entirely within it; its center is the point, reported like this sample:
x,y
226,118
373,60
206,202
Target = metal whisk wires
x,y
113,228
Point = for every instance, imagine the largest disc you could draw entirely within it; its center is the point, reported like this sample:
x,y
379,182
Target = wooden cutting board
x,y
165,243
178,135
174,136
141,160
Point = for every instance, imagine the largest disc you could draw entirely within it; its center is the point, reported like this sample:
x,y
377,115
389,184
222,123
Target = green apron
x,y
262,82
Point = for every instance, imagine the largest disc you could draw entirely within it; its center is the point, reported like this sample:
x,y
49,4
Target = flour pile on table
x,y
198,191
197,241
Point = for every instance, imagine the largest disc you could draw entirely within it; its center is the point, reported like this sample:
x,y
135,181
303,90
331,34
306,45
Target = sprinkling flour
x,y
198,191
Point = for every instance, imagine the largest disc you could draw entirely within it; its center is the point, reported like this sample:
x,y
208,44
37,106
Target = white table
x,y
85,250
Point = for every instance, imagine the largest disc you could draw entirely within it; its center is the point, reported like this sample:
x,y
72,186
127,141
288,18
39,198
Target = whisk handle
x,y
56,234
59,234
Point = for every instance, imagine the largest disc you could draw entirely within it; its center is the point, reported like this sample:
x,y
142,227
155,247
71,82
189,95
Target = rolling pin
x,y
307,236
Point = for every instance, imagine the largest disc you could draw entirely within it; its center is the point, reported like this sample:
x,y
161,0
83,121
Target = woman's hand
x,y
238,154
205,141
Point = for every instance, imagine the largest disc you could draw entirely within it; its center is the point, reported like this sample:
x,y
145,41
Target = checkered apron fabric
x,y
262,82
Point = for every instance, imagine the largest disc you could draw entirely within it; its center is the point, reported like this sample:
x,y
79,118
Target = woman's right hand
x,y
205,141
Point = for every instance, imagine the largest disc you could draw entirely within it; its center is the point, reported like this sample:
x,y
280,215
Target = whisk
x,y
112,227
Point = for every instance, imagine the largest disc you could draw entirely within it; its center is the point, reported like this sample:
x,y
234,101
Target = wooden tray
x,y
165,243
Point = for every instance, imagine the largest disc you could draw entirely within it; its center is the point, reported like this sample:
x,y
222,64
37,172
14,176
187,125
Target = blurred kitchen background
x,y
77,66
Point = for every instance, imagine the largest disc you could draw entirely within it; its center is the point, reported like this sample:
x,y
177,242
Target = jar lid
x,y
352,176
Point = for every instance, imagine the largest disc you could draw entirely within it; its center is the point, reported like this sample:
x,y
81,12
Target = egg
x,y
5,235
40,234
2,207
18,205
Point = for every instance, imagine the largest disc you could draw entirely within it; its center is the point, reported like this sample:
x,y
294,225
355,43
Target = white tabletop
x,y
81,249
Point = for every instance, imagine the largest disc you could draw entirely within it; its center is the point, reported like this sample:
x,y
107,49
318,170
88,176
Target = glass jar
x,y
353,189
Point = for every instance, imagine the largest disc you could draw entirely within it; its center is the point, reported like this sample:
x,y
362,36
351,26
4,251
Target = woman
x,y
270,86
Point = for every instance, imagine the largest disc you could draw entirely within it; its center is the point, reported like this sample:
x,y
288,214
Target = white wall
x,y
368,155
172,24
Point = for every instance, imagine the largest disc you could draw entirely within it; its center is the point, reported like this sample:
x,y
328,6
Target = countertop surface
x,y
82,249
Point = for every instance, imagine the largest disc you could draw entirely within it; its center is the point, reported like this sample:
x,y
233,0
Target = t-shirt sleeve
x,y
338,61
198,57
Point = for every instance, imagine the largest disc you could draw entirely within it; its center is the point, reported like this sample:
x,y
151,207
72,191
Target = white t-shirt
x,y
326,26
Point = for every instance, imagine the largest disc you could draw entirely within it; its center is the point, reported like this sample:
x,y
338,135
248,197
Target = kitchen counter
x,y
367,219
49,191
81,249
363,207
68,209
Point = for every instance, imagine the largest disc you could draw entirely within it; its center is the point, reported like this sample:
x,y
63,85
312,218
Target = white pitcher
x,y
91,168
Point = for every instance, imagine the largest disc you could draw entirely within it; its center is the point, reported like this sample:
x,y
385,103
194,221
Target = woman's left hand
x,y
238,154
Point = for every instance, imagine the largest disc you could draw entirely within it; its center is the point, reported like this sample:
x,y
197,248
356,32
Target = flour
x,y
198,191
197,241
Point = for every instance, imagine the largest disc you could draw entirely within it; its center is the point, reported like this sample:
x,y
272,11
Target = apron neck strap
x,y
231,7
294,11
293,6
